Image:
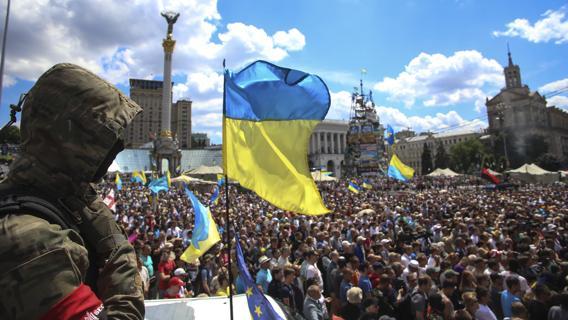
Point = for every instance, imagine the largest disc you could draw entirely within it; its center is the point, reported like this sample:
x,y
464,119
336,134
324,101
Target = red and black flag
x,y
486,174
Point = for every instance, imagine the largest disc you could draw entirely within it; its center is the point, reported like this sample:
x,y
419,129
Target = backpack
x,y
20,199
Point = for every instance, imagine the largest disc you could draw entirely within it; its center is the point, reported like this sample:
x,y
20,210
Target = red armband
x,y
81,304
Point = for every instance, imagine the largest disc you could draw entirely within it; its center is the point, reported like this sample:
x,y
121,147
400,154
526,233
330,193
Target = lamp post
x,y
501,118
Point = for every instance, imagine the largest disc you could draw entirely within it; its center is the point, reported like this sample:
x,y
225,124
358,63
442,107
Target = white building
x,y
327,146
409,149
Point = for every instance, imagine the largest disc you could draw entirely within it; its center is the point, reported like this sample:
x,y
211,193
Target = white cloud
x,y
551,27
340,105
439,80
554,86
292,40
8,81
559,101
440,122
124,39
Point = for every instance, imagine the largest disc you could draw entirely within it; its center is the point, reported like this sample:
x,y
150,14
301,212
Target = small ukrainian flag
x,y
354,188
367,185
118,182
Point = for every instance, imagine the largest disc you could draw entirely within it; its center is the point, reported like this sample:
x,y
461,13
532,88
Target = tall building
x,y
517,113
148,125
148,94
181,123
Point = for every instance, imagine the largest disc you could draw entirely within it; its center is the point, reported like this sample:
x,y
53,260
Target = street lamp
x,y
500,108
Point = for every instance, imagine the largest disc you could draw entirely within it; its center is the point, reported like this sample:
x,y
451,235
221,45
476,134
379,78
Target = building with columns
x,y
327,146
409,149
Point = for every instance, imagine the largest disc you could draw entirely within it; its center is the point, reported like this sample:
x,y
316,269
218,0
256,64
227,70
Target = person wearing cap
x,y
263,276
413,267
175,289
186,290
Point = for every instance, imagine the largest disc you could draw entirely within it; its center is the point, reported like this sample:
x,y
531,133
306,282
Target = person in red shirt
x,y
165,269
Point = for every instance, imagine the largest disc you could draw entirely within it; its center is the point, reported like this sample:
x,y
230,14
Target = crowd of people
x,y
428,249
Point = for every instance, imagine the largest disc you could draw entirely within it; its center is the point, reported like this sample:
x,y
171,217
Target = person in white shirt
x,y
514,266
313,271
484,312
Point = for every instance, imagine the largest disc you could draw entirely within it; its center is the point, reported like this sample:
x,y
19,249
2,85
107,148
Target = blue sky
x,y
430,64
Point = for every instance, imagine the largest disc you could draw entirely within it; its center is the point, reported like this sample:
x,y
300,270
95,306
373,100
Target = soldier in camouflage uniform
x,y
77,263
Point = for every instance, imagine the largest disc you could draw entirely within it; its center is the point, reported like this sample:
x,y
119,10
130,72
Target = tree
x,y
442,159
426,160
466,156
11,135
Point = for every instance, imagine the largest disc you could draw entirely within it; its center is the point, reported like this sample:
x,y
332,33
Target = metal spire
x,y
509,54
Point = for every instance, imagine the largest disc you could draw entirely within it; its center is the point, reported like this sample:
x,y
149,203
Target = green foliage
x,y
426,160
466,156
10,135
442,160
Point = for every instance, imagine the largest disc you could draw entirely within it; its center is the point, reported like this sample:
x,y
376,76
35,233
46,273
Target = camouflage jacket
x,y
71,129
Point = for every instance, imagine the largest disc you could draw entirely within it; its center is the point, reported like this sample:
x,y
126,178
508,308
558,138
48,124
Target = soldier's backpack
x,y
17,199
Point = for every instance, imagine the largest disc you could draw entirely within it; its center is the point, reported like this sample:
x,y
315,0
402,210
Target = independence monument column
x,y
166,146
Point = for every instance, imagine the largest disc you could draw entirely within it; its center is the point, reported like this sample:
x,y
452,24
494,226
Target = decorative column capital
x,y
169,44
166,134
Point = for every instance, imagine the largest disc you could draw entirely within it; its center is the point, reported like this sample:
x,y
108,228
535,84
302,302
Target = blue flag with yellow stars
x,y
259,307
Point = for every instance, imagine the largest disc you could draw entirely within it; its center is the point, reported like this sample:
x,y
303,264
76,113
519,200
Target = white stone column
x,y
325,149
168,45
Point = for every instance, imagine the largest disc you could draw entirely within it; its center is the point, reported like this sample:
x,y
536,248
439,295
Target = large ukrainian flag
x,y
269,115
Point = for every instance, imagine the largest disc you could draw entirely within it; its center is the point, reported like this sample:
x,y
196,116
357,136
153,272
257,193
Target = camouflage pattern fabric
x,y
71,126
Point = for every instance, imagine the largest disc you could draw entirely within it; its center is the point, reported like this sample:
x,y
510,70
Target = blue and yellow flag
x,y
138,176
367,185
353,187
168,178
160,184
269,115
144,176
215,196
118,182
389,135
205,233
259,307
399,170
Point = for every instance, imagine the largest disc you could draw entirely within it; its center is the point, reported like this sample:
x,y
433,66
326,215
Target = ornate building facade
x,y
518,113
327,146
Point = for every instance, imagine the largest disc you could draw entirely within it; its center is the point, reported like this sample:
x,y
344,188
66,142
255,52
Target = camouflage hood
x,y
71,128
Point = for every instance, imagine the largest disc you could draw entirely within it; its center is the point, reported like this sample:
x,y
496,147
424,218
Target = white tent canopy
x,y
206,170
318,176
532,169
113,167
443,173
495,173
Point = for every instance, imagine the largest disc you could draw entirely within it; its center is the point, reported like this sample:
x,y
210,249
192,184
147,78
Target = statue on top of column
x,y
171,18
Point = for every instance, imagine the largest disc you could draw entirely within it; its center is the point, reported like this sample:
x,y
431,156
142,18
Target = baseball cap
x,y
175,281
414,263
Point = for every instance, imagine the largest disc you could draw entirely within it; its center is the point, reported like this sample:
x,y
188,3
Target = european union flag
x,y
389,135
160,184
269,115
118,182
354,188
204,235
259,307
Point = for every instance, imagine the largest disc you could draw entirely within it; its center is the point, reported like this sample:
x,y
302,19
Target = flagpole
x,y
227,221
